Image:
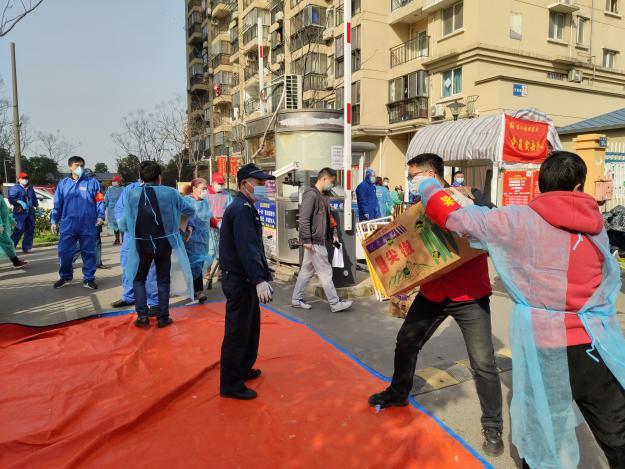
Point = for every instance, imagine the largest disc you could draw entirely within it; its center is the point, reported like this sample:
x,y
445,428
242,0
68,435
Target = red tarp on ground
x,y
101,393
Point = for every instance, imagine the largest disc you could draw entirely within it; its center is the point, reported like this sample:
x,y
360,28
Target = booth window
x,y
453,18
556,26
452,82
609,57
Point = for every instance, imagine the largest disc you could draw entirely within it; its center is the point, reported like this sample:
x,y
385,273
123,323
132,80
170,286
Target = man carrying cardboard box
x,y
463,293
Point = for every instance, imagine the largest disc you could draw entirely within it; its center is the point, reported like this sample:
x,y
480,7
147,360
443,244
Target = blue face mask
x,y
260,193
78,171
372,179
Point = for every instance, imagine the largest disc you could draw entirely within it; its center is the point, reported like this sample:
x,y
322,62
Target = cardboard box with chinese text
x,y
412,250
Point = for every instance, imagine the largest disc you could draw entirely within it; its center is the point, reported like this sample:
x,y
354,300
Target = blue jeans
x,y
162,261
24,225
82,231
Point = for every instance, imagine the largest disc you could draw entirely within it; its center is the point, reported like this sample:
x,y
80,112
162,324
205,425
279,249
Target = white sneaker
x,y
341,306
301,304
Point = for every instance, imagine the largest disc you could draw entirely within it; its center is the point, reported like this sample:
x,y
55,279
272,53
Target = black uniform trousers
x,y
242,333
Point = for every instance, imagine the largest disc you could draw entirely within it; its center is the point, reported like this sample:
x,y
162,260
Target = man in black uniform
x,y
245,282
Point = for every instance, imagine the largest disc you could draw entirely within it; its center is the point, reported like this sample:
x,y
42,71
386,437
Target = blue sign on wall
x,y
603,142
267,211
519,90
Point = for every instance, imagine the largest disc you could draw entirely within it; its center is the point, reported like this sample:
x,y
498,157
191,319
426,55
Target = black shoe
x,y
121,304
387,398
18,264
493,443
142,322
164,322
253,374
245,394
201,298
153,311
60,283
102,266
90,284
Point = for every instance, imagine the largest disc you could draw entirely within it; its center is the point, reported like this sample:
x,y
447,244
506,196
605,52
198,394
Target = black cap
x,y
252,171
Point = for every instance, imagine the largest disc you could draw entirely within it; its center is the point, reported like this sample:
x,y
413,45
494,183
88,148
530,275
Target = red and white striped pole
x,y
347,110
261,66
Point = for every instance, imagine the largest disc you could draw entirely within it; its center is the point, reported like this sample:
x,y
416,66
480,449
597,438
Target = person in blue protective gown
x,y
24,201
385,202
152,218
553,257
128,295
7,249
219,199
79,210
110,199
367,199
198,244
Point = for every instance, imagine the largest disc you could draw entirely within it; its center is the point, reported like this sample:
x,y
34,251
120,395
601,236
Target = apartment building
x,y
411,59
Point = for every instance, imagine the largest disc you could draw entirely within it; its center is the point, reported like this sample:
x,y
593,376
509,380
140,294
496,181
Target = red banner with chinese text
x,y
234,166
519,187
525,141
221,164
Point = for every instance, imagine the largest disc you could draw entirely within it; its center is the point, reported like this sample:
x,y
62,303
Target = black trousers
x,y
198,284
162,261
473,317
242,332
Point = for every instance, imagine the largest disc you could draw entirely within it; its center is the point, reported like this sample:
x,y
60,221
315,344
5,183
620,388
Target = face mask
x,y
203,194
328,187
78,171
115,184
260,193
385,183
460,180
414,190
372,179
24,182
218,187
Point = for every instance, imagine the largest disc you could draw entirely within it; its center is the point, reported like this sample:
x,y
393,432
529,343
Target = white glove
x,y
264,292
459,197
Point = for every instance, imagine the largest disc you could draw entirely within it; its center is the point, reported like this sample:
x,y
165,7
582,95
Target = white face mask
x,y
115,184
24,182
218,187
78,171
203,194
460,180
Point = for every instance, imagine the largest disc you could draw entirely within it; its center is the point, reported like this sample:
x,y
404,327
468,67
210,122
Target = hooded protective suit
x,y
199,244
385,201
7,248
24,203
110,200
367,199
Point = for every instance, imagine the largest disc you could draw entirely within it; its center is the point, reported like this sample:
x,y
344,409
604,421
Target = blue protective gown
x,y
172,207
218,202
77,206
368,207
24,218
199,244
532,259
110,200
128,294
385,202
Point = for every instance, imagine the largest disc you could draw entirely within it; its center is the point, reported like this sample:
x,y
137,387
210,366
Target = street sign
x,y
519,90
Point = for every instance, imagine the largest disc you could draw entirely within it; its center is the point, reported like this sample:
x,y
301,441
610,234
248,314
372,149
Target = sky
x,y
84,64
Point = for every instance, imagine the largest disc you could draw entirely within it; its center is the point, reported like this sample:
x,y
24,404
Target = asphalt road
x,y
27,297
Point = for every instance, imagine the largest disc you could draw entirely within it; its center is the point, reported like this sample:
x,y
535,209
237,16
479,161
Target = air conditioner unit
x,y
294,93
280,58
279,16
328,34
576,75
438,111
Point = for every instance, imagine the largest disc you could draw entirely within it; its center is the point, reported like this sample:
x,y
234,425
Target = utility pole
x,y
347,109
16,116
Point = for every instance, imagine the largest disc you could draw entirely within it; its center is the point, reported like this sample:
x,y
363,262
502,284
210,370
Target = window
x,y
413,85
452,19
356,103
609,57
452,82
339,69
556,76
355,48
330,18
516,26
581,26
611,6
338,102
556,26
338,45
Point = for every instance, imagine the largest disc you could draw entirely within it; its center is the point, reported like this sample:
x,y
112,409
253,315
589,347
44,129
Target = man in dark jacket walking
x,y
315,229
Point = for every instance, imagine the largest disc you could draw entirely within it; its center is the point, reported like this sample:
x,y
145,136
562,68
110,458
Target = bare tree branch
x,y
54,146
8,21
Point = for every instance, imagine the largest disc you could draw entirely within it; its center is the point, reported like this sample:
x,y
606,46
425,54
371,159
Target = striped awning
x,y
479,138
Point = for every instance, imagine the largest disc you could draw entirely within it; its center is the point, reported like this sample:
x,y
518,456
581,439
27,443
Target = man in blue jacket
x,y
79,209
22,197
368,207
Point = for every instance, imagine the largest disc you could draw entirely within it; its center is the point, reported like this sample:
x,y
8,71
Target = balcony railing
x,y
416,48
277,6
196,55
197,79
251,105
194,3
250,72
221,59
218,29
218,121
395,4
315,81
194,28
226,90
413,108
251,33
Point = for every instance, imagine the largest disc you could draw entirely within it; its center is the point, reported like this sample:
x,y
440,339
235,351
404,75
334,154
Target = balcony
x,y
250,37
410,109
251,72
251,105
416,48
219,60
395,4
225,96
196,57
197,83
222,124
277,12
194,33
221,8
430,6
315,81
220,33
563,6
262,4
406,11
194,5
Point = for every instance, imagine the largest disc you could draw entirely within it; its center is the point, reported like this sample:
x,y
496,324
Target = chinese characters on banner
x,y
221,165
267,211
525,141
234,163
519,187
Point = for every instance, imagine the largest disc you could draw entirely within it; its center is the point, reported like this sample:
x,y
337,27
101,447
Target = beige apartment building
x,y
411,59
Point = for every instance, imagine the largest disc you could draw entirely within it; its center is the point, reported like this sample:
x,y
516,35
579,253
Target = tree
x,y
171,175
172,118
41,170
101,168
128,168
11,15
7,137
141,136
54,146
